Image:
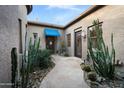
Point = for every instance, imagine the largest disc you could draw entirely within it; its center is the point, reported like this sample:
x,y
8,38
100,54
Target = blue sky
x,y
56,14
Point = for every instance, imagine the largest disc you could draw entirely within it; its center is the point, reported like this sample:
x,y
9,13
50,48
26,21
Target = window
x,y
92,34
69,40
35,36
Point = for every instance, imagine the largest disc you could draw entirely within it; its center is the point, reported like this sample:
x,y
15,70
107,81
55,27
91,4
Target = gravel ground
x,y
36,77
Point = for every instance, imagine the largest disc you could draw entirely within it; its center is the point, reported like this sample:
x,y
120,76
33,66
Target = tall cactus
x,y
103,60
14,66
33,53
31,58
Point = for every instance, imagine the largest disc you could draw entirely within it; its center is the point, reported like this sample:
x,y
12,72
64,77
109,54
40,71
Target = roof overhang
x,y
84,14
45,25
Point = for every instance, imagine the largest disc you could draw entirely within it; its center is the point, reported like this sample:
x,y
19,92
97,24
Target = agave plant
x,y
103,59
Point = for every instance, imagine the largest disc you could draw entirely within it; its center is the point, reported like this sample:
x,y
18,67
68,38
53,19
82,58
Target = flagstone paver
x,y
67,73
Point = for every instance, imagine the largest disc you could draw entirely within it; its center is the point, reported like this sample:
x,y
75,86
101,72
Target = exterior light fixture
x,y
83,34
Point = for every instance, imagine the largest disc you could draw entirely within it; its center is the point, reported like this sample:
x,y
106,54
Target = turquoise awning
x,y
51,32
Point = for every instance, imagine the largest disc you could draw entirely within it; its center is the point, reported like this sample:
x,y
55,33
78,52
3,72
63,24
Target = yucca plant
x,y
103,59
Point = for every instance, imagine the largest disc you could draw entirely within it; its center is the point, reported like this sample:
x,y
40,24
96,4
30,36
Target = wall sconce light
x,y
83,34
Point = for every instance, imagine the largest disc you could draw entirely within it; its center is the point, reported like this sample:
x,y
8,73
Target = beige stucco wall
x,y
113,22
9,36
36,29
22,14
40,30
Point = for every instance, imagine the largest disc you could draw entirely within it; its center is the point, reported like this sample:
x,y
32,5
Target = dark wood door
x,y
78,44
50,43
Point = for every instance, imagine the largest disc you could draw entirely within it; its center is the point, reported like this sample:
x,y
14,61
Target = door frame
x,y
55,39
75,31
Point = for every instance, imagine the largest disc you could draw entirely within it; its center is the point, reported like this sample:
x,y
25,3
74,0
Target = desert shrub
x,y
86,68
66,55
92,76
62,49
82,65
44,58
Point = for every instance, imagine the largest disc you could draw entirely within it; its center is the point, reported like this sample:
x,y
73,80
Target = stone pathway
x,y
67,73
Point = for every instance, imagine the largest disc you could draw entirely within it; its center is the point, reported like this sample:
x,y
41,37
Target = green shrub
x,y
86,68
82,65
92,76
66,55
62,48
44,58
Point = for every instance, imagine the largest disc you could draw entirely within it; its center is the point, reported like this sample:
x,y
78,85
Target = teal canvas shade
x,y
51,32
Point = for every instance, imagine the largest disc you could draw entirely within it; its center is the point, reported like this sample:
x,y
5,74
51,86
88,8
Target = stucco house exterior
x,y
14,24
50,35
111,19
13,21
74,34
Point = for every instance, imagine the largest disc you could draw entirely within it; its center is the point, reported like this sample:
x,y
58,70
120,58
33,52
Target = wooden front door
x,y
78,44
50,43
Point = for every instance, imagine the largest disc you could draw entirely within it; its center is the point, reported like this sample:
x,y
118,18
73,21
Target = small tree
x,y
103,60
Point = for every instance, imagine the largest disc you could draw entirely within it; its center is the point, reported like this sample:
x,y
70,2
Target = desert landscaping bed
x,y
38,75
95,81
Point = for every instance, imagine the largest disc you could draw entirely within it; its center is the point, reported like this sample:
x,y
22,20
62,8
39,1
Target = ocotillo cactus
x,y
103,60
